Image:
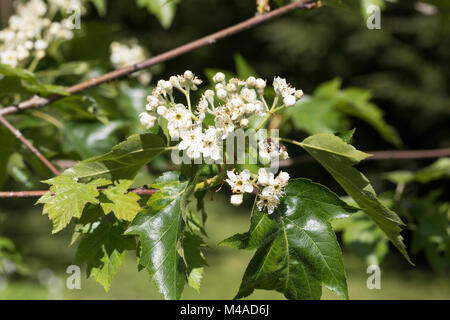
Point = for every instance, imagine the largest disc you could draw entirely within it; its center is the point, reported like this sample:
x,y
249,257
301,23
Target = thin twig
x,y
379,155
408,154
376,155
39,193
22,139
39,102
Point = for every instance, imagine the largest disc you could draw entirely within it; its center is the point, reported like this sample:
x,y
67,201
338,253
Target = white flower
x,y
248,95
268,200
40,45
179,119
281,87
244,122
224,124
236,199
127,54
153,103
239,183
283,177
147,120
265,176
192,142
210,147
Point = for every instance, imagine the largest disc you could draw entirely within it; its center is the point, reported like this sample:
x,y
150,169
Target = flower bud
x,y
161,110
244,122
250,108
236,199
147,120
219,77
188,75
251,81
260,83
298,94
221,94
289,100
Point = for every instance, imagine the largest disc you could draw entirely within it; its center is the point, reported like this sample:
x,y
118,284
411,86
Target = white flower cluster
x,y
127,54
30,30
270,188
231,104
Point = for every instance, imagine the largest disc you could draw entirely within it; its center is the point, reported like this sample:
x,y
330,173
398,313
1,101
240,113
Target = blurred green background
x,y
405,66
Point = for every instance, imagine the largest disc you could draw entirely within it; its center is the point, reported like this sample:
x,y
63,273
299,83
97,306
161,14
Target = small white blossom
x,y
239,183
179,119
267,200
192,142
127,54
210,147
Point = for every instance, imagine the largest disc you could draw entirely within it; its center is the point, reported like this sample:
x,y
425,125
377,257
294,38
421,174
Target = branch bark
x,y
39,193
28,144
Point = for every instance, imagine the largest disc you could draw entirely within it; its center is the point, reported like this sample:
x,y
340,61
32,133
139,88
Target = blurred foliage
x,y
396,77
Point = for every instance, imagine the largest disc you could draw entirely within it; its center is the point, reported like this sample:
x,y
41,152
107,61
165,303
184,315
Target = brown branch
x,y
38,102
36,152
380,155
376,155
408,154
39,193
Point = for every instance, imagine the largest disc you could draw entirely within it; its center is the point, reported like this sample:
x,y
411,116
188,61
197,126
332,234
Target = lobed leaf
x,y
68,199
103,250
124,204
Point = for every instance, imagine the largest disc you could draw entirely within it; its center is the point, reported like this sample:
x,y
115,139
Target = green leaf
x,y
297,248
124,204
28,81
164,10
243,69
8,144
100,5
355,102
346,136
160,228
437,170
122,162
9,252
338,158
103,250
69,199
90,138
362,236
195,260
327,110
